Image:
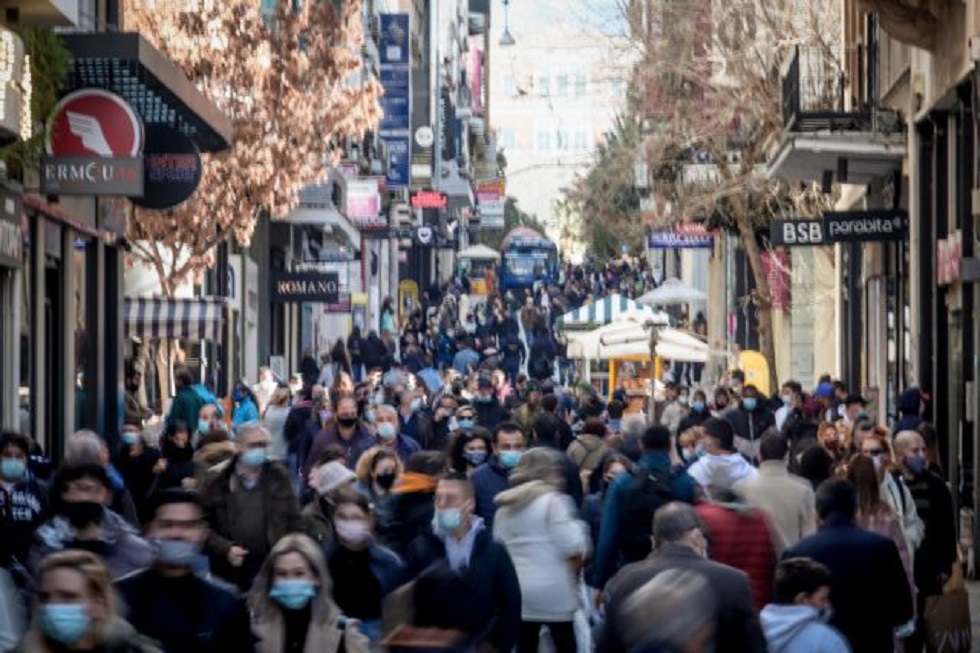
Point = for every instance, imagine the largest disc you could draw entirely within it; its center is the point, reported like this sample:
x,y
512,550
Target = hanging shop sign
x,y
171,168
865,226
681,237
363,203
399,152
295,287
11,235
428,199
796,233
949,256
94,145
394,39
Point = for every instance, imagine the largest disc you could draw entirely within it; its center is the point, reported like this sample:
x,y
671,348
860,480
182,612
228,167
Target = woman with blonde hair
x,y
76,609
377,470
292,605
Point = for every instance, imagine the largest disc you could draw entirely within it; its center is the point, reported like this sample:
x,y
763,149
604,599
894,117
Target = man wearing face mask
x,y
936,554
458,557
870,591
489,412
82,521
491,479
531,409
676,408
168,602
750,420
791,398
698,413
796,620
679,543
134,410
23,499
413,416
249,504
386,426
344,431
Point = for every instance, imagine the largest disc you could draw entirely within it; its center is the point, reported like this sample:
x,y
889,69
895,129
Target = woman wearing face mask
x,y
274,421
876,444
363,571
469,448
613,464
178,456
246,409
329,475
140,465
698,414
76,611
377,470
834,440
874,514
292,606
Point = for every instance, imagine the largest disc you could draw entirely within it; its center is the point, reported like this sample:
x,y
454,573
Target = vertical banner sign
x,y
396,103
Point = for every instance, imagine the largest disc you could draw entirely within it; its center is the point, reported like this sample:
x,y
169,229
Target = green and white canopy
x,y
611,308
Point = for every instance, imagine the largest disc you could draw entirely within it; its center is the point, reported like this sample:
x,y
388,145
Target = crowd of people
x,y
419,490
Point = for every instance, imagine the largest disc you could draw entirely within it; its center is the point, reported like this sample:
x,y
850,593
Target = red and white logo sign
x,y
93,122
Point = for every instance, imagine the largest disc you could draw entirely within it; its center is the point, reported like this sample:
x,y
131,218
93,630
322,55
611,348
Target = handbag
x,y
947,617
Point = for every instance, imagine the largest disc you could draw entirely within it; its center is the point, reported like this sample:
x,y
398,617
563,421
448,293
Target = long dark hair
x,y
457,445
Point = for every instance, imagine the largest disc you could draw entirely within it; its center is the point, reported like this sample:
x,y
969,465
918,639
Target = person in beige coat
x,y
292,606
788,501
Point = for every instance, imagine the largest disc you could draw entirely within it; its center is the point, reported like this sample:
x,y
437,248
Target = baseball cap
x,y
825,390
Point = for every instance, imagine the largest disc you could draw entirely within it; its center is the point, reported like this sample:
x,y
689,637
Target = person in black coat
x,y
545,433
168,602
471,587
489,412
698,414
680,544
412,501
375,352
869,589
178,456
750,419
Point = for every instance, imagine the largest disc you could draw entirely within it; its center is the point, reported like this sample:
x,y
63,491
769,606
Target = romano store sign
x,y
94,146
296,287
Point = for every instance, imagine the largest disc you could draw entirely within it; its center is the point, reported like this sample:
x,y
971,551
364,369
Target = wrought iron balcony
x,y
814,94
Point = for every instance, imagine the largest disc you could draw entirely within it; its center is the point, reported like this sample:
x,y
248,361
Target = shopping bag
x,y
947,618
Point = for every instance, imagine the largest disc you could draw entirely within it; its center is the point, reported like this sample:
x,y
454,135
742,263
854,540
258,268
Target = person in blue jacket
x,y
491,479
246,408
614,529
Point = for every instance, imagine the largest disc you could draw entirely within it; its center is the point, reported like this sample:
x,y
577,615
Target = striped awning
x,y
189,318
603,311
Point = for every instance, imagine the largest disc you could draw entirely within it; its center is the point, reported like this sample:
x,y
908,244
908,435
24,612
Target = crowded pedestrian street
x,y
489,326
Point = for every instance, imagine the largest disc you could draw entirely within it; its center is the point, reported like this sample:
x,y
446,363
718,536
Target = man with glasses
x,y
169,602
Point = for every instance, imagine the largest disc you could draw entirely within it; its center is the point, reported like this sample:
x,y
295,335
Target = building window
x,y
561,86
544,86
618,86
581,140
510,86
544,140
581,85
564,139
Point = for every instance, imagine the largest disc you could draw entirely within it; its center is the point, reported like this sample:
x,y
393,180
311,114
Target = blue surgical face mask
x,y
176,553
13,469
465,423
386,431
749,403
449,520
203,426
292,594
130,437
255,457
65,623
475,458
509,459
369,417
787,400
916,464
416,404
697,406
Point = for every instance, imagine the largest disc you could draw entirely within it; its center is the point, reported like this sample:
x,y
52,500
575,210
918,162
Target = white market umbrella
x,y
672,291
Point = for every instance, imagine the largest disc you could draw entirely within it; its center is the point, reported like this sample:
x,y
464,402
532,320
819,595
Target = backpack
x,y
540,368
647,492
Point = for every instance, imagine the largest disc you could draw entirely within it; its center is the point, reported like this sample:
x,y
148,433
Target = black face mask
x,y
83,513
347,422
385,481
132,387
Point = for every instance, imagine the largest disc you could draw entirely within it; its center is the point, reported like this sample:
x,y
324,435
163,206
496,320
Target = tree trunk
x,y
761,296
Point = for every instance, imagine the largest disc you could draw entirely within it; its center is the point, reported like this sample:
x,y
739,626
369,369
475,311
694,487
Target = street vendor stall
x,y
477,263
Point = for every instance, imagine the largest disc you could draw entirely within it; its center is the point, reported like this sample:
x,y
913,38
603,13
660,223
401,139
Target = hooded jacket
x,y
798,629
538,527
722,471
122,549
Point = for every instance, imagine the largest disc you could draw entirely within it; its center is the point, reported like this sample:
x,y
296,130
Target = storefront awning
x,y
129,66
190,318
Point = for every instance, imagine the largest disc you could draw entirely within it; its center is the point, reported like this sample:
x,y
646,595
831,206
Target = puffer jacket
x,y
740,536
537,525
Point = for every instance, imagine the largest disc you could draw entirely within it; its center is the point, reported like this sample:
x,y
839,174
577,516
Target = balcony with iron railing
x,y
815,92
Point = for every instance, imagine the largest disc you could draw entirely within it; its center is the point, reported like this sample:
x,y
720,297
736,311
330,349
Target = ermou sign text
x,y
296,287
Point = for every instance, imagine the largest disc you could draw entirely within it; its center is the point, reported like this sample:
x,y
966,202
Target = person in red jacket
x,y
742,537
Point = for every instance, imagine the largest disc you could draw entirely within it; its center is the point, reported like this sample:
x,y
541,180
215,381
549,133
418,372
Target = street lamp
x,y
506,39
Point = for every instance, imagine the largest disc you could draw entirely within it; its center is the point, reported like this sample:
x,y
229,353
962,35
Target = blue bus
x,y
527,257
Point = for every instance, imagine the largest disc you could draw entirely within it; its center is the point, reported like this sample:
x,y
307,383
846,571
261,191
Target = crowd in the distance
x,y
396,494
